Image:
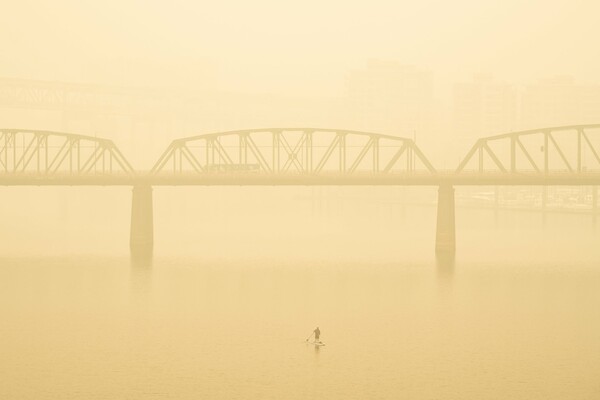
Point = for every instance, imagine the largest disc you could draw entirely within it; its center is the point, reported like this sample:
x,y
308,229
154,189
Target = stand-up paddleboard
x,y
317,343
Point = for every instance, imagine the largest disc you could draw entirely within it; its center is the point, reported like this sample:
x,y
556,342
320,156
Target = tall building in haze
x,y
388,97
483,107
559,101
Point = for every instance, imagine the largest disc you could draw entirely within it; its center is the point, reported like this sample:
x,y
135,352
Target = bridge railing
x,y
291,151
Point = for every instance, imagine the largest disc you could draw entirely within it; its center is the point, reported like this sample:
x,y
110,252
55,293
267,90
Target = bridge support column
x,y
141,240
445,238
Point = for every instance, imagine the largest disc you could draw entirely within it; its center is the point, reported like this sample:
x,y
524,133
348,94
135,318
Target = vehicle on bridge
x,y
228,168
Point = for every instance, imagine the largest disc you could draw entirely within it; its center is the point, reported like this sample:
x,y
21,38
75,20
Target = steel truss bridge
x,y
566,155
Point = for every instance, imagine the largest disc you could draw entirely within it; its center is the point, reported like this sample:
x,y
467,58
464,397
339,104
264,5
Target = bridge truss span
x,y
573,149
34,153
301,151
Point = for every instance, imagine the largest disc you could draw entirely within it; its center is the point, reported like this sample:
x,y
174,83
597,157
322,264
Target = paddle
x,y
309,337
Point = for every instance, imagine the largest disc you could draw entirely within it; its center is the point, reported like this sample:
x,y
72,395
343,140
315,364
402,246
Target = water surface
x,y
515,315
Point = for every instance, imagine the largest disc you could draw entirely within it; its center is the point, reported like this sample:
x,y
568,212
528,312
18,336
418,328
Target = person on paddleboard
x,y
317,333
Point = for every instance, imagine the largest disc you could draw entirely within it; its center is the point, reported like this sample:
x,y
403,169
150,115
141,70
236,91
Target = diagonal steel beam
x,y
469,155
395,158
222,153
2,149
531,161
121,160
361,155
163,159
256,151
89,163
494,157
292,158
587,140
24,154
562,155
327,154
99,154
57,156
35,152
67,153
191,159
421,156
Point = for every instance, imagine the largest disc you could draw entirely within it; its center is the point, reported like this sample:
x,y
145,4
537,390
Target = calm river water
x,y
516,316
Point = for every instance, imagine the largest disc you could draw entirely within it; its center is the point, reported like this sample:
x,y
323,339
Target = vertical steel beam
x,y
14,143
6,141
375,155
1,137
46,153
37,154
212,150
70,156
579,150
546,134
342,144
300,152
240,146
309,152
175,160
79,156
207,151
513,154
243,149
276,139
180,159
5,152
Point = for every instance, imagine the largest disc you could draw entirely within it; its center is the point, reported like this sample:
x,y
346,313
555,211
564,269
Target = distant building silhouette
x,y
389,97
483,106
559,101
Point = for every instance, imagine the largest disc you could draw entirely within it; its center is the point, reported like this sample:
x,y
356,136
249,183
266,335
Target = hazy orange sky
x,y
294,47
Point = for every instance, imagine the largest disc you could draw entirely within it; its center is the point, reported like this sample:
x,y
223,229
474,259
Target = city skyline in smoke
x,y
384,96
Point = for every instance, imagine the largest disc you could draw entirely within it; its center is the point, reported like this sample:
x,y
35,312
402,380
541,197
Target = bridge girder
x,y
48,153
538,151
292,150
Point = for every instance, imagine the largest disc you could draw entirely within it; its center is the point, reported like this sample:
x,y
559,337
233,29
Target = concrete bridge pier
x,y
445,238
141,240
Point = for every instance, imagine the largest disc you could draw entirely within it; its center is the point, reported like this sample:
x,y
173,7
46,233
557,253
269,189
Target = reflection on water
x,y
141,260
445,265
186,329
514,317
141,277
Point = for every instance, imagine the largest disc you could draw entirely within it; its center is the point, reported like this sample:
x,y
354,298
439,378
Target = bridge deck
x,y
414,179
